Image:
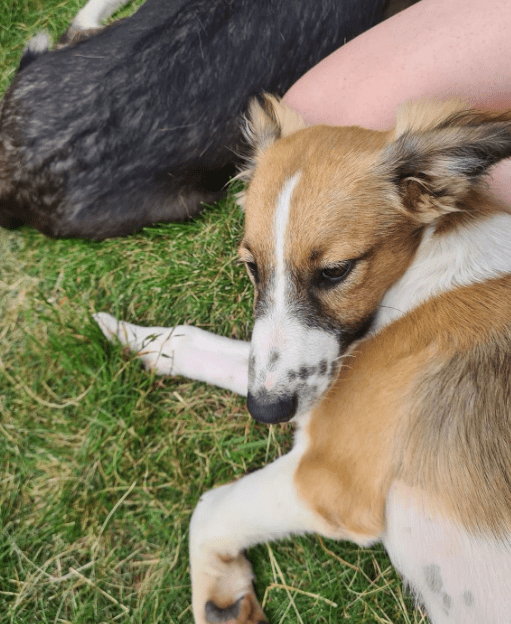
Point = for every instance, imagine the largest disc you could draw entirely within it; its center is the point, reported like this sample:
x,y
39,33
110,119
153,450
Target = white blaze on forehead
x,y
271,331
287,356
281,225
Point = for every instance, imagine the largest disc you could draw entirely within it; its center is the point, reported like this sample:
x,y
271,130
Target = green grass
x,y
101,463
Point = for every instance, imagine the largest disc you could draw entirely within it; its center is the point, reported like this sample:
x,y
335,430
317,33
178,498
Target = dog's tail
x,y
37,46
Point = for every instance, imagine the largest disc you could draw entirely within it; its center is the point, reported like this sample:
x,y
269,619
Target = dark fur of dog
x,y
139,122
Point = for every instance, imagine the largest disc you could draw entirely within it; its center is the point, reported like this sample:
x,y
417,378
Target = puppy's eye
x,y
252,269
331,276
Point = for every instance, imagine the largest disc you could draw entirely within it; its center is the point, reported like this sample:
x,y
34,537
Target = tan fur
x,y
248,607
439,132
417,116
346,472
380,419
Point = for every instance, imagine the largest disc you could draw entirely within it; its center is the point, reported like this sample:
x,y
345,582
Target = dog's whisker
x,y
392,308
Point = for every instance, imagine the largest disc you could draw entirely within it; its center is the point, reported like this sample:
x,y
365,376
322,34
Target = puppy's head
x,y
333,218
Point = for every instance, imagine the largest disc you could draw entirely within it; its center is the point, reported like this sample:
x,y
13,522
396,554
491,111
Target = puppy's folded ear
x,y
270,119
440,152
267,120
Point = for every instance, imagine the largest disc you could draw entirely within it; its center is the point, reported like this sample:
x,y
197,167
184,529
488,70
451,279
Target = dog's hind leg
x,y
263,505
184,350
88,20
94,12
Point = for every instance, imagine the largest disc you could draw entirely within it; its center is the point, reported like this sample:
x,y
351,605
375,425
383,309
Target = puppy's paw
x,y
223,593
155,346
245,610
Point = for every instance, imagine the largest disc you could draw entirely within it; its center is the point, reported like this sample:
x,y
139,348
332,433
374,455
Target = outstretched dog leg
x,y
261,506
88,21
94,12
183,350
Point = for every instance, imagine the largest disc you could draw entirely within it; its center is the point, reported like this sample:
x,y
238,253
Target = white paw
x,y
155,346
223,592
222,578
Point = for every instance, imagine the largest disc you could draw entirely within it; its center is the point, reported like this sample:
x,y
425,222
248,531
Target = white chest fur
x,y
472,253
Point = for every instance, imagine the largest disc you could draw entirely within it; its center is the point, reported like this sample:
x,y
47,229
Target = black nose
x,y
266,409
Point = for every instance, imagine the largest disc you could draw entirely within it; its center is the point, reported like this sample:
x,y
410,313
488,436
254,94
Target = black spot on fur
x,y
274,358
306,372
433,578
447,602
357,332
468,598
251,369
334,367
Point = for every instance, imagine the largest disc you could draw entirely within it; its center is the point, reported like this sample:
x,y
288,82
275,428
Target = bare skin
x,y
436,48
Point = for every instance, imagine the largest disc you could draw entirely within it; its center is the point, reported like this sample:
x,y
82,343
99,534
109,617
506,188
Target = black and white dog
x,y
139,122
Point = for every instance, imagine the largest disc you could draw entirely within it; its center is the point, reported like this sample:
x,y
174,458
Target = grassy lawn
x,y
101,463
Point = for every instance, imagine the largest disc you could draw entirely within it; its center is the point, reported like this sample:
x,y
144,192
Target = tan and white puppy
x,y
385,248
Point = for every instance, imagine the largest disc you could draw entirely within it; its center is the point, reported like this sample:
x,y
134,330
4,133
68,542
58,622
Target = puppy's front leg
x,y
261,506
184,350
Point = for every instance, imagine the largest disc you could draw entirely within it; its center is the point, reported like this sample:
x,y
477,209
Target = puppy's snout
x,y
267,409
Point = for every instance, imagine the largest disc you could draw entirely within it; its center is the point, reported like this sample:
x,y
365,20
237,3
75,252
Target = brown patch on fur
x,y
476,205
245,611
347,469
427,400
251,612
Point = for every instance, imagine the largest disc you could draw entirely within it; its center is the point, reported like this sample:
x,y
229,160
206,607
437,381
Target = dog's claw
x,y
245,610
218,615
